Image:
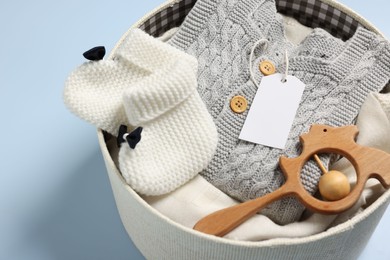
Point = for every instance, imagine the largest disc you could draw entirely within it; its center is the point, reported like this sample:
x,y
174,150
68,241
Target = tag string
x,y
284,79
259,42
265,47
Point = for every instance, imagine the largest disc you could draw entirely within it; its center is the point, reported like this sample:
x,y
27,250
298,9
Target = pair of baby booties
x,y
151,85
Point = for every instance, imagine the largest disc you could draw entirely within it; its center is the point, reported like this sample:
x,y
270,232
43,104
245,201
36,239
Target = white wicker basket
x,y
157,237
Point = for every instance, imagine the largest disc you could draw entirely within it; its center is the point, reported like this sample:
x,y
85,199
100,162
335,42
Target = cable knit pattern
x,y
150,84
338,76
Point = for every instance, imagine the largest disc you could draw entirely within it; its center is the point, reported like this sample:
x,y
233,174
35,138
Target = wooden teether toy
x,y
334,186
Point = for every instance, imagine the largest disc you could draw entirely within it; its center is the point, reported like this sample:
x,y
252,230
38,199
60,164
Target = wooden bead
x,y
334,185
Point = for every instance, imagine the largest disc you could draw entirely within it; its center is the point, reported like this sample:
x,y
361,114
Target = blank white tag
x,y
273,111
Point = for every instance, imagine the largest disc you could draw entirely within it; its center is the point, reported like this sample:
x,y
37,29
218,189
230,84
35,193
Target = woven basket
x,y
157,237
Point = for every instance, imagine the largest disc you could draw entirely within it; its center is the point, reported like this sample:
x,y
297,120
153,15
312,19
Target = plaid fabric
x,y
168,18
312,13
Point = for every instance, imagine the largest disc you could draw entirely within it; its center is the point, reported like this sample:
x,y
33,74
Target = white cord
x,y
261,41
284,79
265,42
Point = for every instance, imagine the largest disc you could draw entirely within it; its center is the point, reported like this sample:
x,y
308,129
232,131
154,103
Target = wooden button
x,y
238,104
267,68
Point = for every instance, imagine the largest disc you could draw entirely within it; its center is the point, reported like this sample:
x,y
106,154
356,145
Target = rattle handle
x,y
225,220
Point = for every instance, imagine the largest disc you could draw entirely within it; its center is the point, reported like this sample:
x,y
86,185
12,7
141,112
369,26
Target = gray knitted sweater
x,y
337,75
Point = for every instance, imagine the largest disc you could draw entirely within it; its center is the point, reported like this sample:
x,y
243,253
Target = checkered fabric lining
x,y
168,18
312,13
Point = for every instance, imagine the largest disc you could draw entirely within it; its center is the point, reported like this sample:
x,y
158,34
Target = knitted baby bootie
x,y
179,137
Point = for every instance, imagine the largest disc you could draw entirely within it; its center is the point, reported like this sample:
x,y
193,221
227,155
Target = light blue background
x,y
55,198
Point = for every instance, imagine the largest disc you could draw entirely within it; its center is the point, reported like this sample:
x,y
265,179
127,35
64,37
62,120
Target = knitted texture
x,y
94,91
153,85
338,76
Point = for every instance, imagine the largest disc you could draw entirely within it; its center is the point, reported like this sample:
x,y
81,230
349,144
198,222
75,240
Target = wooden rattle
x,y
368,163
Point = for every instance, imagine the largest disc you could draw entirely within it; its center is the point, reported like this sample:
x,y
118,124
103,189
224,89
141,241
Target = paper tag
x,y
273,111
